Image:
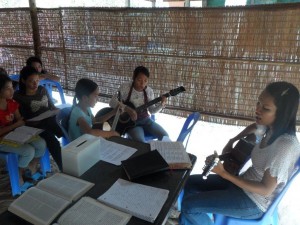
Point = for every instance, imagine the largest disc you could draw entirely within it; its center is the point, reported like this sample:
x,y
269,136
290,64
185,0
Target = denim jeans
x,y
26,152
214,195
138,132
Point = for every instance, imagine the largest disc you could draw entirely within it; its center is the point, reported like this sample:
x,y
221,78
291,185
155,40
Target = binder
x,y
145,164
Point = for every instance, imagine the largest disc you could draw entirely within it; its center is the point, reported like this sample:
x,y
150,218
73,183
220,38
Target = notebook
x,y
142,201
145,164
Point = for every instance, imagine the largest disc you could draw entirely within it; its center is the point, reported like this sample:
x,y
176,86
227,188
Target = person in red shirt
x,y
10,119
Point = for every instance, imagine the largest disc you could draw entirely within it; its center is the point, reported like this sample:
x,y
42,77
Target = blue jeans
x,y
26,152
214,195
138,132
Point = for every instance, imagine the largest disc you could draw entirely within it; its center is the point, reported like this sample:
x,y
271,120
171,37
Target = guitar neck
x,y
152,102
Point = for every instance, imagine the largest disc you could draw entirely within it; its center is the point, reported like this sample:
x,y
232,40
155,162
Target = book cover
x,y
145,164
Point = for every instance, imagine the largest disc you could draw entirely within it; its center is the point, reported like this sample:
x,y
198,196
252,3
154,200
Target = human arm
x,y
86,129
119,97
17,123
247,131
265,187
51,105
49,76
105,117
158,106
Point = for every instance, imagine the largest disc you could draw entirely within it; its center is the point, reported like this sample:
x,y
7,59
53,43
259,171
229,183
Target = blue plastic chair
x,y
15,78
49,84
11,160
187,127
269,217
62,119
184,136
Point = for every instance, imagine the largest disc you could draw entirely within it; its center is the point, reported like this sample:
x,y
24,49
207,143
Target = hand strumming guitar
x,y
246,132
131,112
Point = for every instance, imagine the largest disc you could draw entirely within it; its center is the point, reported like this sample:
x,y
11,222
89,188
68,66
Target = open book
x,y
91,211
41,204
174,153
22,134
141,201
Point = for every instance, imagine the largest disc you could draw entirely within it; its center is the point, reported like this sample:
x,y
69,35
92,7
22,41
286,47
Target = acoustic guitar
x,y
233,161
124,121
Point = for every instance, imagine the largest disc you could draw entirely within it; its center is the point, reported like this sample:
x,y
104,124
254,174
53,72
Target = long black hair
x,y
3,80
140,69
26,72
286,100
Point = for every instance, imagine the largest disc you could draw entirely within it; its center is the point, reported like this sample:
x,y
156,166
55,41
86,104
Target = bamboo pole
x,y
35,28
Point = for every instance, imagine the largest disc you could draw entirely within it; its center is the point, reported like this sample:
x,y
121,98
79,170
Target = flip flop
x,y
37,176
25,186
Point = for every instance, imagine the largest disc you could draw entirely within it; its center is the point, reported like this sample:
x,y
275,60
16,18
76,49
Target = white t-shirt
x,y
137,98
280,157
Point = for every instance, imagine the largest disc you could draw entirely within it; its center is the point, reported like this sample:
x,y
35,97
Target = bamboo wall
x,y
224,57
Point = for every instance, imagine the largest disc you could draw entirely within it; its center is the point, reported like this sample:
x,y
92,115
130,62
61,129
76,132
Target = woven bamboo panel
x,y
224,57
16,41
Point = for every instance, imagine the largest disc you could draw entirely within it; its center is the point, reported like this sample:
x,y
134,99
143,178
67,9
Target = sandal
x,y
37,176
25,186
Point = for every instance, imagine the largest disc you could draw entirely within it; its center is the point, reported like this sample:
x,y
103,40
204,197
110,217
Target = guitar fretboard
x,y
152,102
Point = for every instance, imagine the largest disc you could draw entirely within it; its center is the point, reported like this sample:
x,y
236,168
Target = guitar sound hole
x,y
124,118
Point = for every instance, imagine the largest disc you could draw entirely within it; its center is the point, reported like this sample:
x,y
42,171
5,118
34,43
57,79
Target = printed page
x,y
44,115
114,153
28,130
65,186
21,135
144,202
17,137
89,211
37,206
173,152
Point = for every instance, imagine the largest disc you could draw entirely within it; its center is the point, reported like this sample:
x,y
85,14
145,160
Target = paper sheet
x,y
44,115
114,153
172,152
37,206
92,212
144,202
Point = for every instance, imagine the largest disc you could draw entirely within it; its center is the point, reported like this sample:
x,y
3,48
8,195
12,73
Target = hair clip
x,y
285,91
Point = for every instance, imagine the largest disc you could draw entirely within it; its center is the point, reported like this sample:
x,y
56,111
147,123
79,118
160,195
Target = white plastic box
x,y
80,155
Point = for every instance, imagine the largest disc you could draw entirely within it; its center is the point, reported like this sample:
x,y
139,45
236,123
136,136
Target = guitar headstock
x,y
176,91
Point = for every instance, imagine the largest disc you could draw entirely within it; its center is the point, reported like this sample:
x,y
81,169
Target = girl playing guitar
x,y
135,94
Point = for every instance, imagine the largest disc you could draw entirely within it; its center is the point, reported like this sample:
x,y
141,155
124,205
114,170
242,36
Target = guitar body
x,y
236,159
124,121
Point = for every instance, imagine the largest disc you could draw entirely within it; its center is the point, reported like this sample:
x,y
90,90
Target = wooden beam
x,y
35,28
